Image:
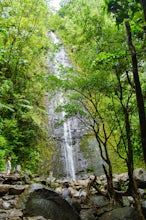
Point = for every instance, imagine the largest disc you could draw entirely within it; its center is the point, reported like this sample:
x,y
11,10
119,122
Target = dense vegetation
x,y
23,47
106,42
104,90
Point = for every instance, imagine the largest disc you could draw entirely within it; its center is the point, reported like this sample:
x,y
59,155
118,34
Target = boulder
x,y
126,213
38,200
88,214
16,190
140,176
4,189
144,208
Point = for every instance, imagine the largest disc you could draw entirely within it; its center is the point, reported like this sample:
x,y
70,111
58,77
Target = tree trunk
x,y
134,192
139,96
132,183
107,170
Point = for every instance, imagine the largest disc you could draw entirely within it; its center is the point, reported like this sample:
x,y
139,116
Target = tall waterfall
x,y
64,132
69,159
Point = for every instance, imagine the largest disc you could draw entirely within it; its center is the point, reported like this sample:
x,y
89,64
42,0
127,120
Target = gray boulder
x,y
126,213
140,176
38,200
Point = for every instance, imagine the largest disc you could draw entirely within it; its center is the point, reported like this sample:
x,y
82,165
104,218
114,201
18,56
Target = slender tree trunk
x,y
107,170
134,192
139,96
132,183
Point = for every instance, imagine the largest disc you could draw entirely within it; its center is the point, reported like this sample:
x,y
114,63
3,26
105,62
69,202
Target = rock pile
x,y
32,198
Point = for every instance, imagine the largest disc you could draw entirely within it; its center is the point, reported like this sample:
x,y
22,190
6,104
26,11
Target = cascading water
x,y
63,133
68,150
69,160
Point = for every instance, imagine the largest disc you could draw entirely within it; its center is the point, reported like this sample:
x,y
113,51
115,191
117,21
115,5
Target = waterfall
x,y
69,160
70,135
63,132
68,150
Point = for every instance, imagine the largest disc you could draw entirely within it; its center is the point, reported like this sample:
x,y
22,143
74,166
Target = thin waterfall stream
x,y
68,150
63,131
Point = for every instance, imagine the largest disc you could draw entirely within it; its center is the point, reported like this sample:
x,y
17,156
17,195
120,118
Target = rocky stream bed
x,y
25,197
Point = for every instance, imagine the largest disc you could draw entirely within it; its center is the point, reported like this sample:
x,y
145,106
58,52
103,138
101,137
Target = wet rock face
x,y
40,201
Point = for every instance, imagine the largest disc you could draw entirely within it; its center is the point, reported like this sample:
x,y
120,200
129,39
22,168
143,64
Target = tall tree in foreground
x,y
127,10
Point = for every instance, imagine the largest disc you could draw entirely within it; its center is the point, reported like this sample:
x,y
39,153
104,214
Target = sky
x,y
55,4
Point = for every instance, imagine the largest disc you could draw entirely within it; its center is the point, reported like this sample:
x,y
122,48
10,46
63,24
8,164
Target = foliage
x,y
103,91
125,9
23,47
102,63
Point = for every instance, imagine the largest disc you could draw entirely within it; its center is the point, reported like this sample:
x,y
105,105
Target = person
x,y
8,166
66,193
51,178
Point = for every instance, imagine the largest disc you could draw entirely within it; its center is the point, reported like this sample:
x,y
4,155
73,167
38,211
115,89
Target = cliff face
x,y
76,154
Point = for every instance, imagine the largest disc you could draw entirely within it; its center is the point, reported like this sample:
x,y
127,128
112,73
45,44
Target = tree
x,y
88,105
126,10
127,142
